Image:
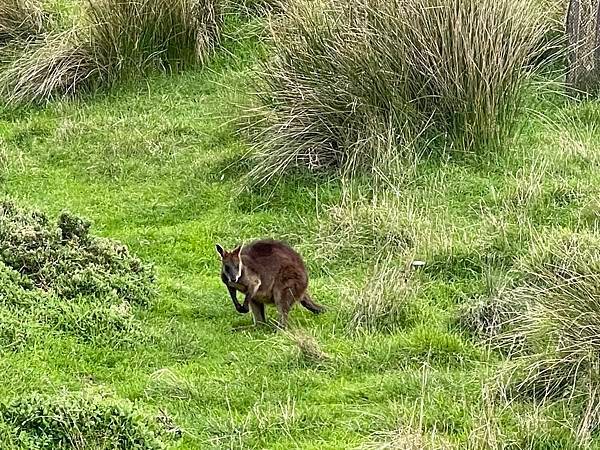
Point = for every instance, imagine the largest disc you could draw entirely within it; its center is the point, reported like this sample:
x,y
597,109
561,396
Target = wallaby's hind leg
x,y
283,302
258,311
309,304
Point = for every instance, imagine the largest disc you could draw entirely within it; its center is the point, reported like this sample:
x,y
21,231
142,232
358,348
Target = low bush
x,y
57,278
358,85
76,422
65,259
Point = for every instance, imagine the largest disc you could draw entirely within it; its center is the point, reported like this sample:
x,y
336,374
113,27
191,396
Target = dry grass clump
x,y
407,439
306,347
357,85
20,20
582,28
132,35
385,302
59,65
560,283
354,229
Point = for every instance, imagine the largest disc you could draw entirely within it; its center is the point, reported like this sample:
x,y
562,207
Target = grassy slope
x,y
156,166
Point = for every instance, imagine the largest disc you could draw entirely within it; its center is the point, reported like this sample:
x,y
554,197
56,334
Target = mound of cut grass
x,y
76,421
358,85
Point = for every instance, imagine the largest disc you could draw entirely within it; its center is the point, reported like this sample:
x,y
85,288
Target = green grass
x,y
158,165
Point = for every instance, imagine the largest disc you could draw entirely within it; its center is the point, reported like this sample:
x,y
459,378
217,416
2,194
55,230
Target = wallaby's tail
x,y
309,304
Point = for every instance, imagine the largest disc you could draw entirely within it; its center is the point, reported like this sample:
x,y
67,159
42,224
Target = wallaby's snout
x,y
231,272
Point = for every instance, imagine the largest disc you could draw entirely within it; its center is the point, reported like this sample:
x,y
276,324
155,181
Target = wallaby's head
x,y
231,269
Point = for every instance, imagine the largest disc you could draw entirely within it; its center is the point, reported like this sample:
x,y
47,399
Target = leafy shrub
x,y
354,85
65,259
57,278
68,421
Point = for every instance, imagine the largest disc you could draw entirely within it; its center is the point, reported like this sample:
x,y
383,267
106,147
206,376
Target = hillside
x,y
159,165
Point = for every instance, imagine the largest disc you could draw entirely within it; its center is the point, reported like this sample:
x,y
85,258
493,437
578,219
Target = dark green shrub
x,y
76,422
59,279
67,261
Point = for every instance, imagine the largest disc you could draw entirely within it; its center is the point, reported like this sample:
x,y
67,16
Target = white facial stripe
x,y
239,275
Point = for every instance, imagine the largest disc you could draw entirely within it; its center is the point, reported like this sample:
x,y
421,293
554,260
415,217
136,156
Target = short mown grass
x,y
157,165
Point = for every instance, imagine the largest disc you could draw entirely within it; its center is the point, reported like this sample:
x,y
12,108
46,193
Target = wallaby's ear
x,y
220,250
236,251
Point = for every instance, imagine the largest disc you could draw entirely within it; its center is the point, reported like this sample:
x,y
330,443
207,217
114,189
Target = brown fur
x,y
267,272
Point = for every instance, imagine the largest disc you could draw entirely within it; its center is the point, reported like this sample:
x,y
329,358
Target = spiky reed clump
x,y
132,35
385,303
118,38
561,327
20,20
353,85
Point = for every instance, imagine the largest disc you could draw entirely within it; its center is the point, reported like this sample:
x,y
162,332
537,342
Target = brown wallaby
x,y
266,271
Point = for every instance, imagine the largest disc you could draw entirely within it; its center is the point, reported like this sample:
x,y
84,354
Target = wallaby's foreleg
x,y
250,295
258,311
242,309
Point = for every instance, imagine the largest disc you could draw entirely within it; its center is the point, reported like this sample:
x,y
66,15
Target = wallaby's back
x,y
275,262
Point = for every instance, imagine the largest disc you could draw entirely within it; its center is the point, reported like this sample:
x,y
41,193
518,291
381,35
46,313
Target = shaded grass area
x,y
156,166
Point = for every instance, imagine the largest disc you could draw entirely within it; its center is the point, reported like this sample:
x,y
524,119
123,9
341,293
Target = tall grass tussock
x,y
386,301
355,85
114,39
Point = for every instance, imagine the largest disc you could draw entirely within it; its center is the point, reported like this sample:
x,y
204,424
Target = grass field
x,y
158,164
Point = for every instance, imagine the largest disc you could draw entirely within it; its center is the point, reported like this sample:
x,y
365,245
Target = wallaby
x,y
266,271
